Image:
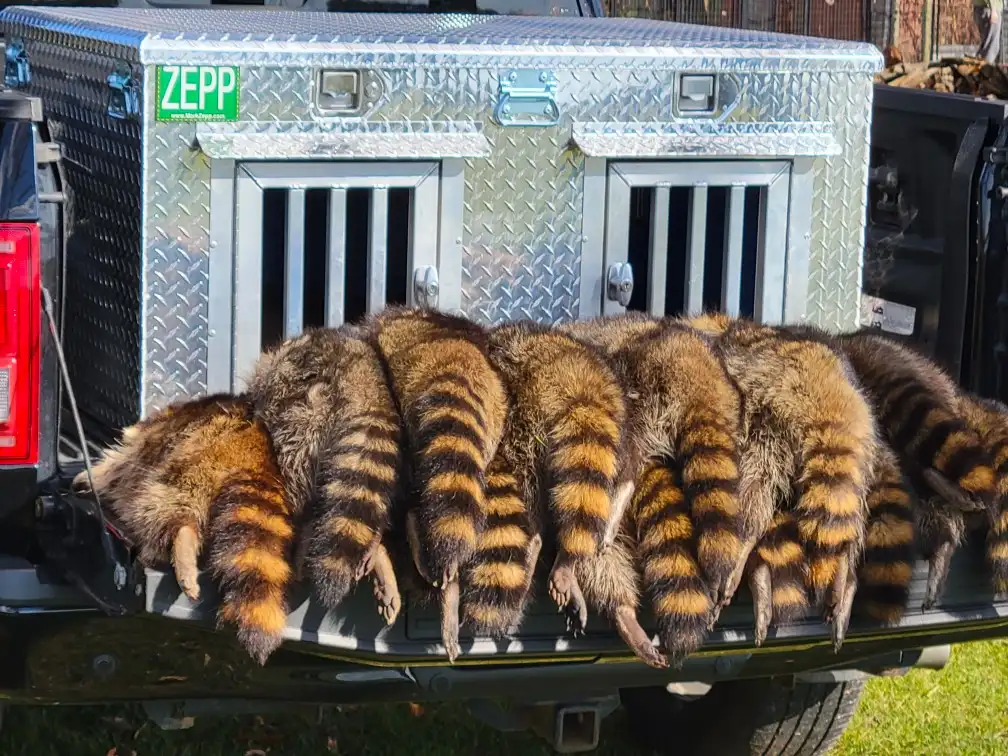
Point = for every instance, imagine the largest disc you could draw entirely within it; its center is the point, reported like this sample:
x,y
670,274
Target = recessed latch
x,y
17,72
620,287
527,97
124,94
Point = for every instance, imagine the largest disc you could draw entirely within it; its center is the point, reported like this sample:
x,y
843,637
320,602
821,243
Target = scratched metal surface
x,y
522,235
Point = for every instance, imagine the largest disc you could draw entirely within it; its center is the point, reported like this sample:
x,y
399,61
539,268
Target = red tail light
x,y
20,307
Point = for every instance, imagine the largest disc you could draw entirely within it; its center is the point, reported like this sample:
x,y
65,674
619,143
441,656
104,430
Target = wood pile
x,y
969,76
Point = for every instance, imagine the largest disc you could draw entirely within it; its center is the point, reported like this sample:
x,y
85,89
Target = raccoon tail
x,y
890,548
583,465
997,536
250,543
831,483
931,434
453,451
357,481
777,576
672,577
496,580
710,477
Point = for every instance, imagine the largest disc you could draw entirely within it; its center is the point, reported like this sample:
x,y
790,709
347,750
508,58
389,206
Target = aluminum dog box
x,y
235,176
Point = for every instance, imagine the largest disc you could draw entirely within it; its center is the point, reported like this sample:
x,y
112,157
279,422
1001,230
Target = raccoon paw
x,y
450,620
384,584
840,600
185,558
566,592
633,635
938,569
761,587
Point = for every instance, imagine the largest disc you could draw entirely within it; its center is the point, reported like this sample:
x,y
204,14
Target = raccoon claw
x,y
185,557
565,591
450,620
840,600
384,584
951,493
633,635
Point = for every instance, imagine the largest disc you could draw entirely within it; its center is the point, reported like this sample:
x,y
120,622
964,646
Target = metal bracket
x,y
620,283
124,94
17,71
526,97
426,287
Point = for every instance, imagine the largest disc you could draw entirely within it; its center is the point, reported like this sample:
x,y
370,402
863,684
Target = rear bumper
x,y
58,649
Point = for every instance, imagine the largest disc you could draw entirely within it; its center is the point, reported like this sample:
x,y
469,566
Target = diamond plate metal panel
x,y
139,282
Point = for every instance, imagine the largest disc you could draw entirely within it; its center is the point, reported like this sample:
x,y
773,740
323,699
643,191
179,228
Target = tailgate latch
x,y
526,97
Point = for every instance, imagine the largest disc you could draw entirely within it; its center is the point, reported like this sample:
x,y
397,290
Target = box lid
x,y
279,37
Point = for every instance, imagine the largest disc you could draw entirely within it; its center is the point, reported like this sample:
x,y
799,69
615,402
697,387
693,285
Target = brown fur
x,y
666,537
943,458
809,436
205,471
681,406
988,418
325,398
496,581
886,567
777,573
454,407
564,445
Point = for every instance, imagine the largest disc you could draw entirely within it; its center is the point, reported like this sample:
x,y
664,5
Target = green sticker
x,y
197,93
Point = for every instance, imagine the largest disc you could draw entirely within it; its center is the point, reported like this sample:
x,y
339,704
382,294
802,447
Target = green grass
x,y
961,710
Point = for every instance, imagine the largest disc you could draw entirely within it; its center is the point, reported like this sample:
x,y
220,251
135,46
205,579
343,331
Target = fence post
x,y
927,20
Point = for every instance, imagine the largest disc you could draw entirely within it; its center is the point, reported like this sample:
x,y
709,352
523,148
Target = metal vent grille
x,y
320,243
704,235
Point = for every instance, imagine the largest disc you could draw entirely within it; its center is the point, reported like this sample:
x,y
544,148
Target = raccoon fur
x,y
944,460
454,406
338,434
809,438
564,447
988,418
200,473
682,407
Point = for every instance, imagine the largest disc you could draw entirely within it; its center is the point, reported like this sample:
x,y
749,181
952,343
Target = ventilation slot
x,y
330,256
688,237
679,235
321,244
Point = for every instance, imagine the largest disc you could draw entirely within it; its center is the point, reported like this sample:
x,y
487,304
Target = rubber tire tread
x,y
745,718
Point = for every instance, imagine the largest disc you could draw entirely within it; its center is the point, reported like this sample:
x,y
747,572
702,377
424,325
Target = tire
x,y
749,717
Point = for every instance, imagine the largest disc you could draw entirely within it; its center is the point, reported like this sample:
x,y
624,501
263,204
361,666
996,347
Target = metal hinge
x,y
17,71
124,94
527,98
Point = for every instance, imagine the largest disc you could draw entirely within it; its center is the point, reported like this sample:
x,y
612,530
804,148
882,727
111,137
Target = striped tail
x,y
453,448
778,575
829,510
358,479
672,576
890,544
997,537
583,463
251,537
924,430
496,580
707,447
